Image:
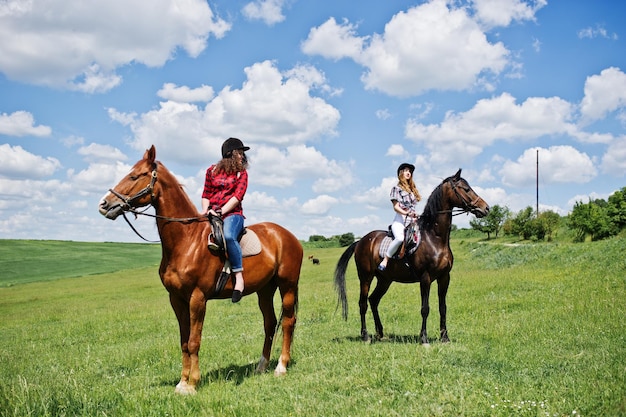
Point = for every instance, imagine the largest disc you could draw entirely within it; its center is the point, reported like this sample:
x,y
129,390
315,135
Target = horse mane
x,y
173,183
433,206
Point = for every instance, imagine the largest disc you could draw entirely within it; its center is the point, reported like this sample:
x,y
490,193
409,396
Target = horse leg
x,y
191,334
181,309
266,305
381,289
425,293
442,286
290,300
365,289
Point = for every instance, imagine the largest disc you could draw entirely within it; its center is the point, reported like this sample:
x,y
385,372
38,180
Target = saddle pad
x,y
384,246
250,244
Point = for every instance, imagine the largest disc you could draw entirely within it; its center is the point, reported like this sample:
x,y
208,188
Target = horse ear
x,y
150,154
458,174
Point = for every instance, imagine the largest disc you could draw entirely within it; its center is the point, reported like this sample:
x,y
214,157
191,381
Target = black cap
x,y
405,165
232,144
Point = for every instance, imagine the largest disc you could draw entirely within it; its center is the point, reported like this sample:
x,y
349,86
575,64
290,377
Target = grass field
x,y
536,329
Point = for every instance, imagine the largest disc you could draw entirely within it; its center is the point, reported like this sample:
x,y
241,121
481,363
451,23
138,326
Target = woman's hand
x,y
215,213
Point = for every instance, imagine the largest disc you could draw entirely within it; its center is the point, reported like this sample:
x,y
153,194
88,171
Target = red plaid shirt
x,y
219,188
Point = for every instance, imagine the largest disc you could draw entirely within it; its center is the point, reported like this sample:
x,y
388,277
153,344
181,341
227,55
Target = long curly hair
x,y
231,164
408,186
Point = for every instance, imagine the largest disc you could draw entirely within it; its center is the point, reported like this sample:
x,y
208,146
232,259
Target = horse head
x,y
464,197
136,189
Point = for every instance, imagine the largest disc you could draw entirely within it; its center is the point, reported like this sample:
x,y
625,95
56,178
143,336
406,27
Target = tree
x,y
492,222
346,239
547,223
616,208
522,223
592,219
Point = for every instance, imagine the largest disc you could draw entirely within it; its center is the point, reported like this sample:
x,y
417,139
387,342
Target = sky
x,y
330,95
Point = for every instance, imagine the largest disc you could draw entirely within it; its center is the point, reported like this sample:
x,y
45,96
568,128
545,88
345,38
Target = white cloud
x,y
557,164
318,205
72,140
184,94
377,197
334,41
462,136
269,11
604,93
383,114
598,32
270,107
396,150
17,163
79,45
428,47
276,168
503,12
614,160
98,176
96,152
21,123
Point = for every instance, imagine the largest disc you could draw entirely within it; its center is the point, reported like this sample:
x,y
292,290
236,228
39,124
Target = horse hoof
x,y
185,389
280,370
262,366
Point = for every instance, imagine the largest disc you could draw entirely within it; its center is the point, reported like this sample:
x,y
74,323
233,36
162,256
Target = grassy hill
x,y
23,261
537,329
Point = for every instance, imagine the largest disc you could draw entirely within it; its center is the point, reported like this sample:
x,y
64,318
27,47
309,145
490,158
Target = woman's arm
x,y
230,205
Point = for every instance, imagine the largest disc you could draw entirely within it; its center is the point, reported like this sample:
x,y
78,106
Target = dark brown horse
x,y
431,262
189,270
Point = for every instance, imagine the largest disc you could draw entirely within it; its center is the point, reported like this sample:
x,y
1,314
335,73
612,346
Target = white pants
x,y
398,237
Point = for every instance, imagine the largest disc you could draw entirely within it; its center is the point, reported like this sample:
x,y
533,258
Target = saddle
x,y
248,239
412,239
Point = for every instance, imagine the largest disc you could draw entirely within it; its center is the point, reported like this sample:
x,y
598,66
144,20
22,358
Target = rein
x,y
149,189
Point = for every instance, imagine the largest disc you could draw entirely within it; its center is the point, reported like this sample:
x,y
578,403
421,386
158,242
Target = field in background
x,y
23,261
536,329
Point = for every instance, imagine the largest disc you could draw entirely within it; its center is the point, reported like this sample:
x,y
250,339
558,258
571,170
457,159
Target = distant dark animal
x,y
189,270
314,260
432,260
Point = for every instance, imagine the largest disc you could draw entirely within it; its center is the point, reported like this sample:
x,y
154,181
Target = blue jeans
x,y
233,226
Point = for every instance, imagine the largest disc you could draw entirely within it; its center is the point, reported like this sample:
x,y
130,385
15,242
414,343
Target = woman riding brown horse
x,y
432,260
189,270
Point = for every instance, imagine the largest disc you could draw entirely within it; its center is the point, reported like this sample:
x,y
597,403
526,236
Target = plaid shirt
x,y
407,200
219,188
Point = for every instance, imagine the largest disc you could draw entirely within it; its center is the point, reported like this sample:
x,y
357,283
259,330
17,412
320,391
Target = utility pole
x,y
537,183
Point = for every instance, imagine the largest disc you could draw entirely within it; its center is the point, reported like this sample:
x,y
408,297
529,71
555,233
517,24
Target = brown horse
x,y
189,270
432,260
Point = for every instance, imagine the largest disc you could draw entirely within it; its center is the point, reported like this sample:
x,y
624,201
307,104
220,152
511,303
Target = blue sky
x,y
331,96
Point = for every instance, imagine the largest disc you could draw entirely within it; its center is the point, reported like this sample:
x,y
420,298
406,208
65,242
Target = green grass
x,y
536,329
23,261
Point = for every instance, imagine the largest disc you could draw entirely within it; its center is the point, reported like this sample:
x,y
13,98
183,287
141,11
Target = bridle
x,y
128,201
127,206
467,206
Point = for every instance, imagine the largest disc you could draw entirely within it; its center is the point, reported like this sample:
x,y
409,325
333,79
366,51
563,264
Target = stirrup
x,y
221,281
212,245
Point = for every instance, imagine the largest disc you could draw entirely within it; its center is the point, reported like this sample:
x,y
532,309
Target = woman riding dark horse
x,y
432,261
190,271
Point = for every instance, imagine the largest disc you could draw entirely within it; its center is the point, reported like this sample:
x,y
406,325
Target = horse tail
x,y
340,279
